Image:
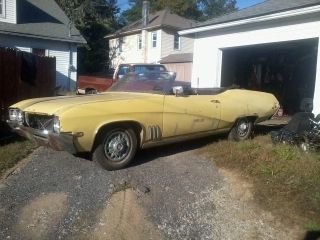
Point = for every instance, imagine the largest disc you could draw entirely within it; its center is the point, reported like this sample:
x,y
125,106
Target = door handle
x,y
215,101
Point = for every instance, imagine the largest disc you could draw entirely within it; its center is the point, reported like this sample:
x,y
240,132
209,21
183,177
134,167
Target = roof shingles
x,y
266,7
42,19
178,58
160,19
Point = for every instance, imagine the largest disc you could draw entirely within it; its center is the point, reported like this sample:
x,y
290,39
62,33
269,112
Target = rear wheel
x,y
116,148
241,130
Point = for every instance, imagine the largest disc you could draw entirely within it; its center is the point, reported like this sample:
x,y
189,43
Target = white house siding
x,y
208,48
74,63
66,66
62,66
154,54
130,52
10,12
60,50
167,43
186,44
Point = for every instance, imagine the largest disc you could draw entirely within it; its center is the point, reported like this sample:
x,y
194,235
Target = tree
x,y
184,8
94,19
193,9
215,8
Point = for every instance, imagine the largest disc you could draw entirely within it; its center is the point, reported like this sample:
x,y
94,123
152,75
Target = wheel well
x,y
251,118
137,128
89,89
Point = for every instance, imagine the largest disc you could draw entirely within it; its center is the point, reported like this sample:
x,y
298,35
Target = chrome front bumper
x,y
59,142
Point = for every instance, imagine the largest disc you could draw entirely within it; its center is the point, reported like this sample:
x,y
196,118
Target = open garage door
x,y
287,69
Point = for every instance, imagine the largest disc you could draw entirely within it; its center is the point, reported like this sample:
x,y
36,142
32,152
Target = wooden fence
x,y
24,75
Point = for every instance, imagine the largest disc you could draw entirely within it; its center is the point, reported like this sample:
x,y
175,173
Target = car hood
x,y
56,105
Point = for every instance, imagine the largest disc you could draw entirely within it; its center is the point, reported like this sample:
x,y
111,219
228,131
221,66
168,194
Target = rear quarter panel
x,y
239,103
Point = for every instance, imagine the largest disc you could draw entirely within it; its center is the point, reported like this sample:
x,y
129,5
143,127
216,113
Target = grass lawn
x,y
12,153
286,179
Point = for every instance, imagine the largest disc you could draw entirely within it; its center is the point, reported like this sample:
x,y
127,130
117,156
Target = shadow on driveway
x,y
146,155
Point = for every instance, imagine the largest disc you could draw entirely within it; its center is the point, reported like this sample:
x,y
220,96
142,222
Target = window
x,y
176,42
2,8
154,39
121,42
139,41
38,51
123,70
148,68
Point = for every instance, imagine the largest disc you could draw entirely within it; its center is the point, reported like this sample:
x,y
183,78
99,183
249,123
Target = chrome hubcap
x,y
243,128
117,146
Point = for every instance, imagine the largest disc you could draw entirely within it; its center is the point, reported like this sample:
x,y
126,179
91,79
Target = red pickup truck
x,y
94,84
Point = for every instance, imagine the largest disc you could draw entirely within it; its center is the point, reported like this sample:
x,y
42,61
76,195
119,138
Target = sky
x,y
123,4
247,3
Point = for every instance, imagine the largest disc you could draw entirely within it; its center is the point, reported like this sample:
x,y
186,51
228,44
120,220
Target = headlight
x,y
56,124
20,117
16,115
13,114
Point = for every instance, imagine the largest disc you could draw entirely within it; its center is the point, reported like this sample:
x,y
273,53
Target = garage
x,y
272,46
181,64
287,70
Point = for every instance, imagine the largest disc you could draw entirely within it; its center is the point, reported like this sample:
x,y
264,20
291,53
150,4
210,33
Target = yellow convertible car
x,y
139,111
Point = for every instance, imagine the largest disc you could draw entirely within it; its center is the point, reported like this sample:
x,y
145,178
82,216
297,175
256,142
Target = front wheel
x,y
241,130
116,148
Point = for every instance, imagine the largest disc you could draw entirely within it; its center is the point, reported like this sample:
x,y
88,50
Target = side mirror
x,y
173,75
177,90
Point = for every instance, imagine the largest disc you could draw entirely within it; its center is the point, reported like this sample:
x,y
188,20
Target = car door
x,y
184,115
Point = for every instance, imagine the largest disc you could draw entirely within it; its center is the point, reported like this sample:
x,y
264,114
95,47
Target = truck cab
x,y
96,84
124,69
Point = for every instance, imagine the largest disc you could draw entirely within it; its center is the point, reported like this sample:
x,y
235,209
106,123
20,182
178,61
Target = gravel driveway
x,y
171,193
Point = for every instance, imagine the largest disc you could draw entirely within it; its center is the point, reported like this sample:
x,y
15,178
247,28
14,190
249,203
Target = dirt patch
x,y
239,188
236,203
285,179
124,218
42,215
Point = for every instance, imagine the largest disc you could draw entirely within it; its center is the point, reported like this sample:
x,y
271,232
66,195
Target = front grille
x,y
40,122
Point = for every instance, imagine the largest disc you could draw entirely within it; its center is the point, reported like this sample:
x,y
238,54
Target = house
x,y
42,28
152,39
272,46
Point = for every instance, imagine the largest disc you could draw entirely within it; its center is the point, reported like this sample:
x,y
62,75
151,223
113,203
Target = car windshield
x,y
159,82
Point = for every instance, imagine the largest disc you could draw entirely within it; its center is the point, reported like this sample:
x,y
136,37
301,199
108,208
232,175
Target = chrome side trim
x,y
170,140
155,133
